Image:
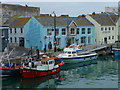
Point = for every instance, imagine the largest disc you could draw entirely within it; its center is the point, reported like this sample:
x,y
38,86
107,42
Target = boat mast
x,y
8,56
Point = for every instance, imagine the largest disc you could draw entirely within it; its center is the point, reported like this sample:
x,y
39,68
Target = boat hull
x,y
30,73
79,59
116,52
9,72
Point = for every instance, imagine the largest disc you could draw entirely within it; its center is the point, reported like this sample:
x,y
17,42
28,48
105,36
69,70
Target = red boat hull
x,y
9,72
28,73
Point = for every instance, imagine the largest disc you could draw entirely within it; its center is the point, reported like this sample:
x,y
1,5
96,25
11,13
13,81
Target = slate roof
x,y
103,20
49,21
18,22
114,18
63,21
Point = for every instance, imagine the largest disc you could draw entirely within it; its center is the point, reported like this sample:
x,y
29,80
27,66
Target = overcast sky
x,y
4,1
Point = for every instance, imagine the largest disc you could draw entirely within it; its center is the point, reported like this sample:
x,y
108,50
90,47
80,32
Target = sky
x,y
59,1
76,8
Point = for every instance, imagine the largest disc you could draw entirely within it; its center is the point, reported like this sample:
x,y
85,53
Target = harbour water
x,y
100,73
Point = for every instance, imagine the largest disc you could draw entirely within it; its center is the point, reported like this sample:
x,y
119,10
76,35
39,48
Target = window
x,y
109,28
15,30
49,32
83,30
63,31
10,30
112,37
72,31
57,32
105,28
89,40
69,52
21,30
109,37
15,39
77,31
89,30
11,39
101,29
83,39
112,28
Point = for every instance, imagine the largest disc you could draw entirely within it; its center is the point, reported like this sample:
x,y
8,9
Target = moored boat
x,y
44,66
5,72
71,56
116,49
8,68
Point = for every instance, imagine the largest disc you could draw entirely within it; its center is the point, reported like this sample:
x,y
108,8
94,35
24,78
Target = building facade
x,y
16,31
39,32
8,10
3,37
106,31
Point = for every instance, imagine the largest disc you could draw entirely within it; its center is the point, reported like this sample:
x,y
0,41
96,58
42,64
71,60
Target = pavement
x,y
20,51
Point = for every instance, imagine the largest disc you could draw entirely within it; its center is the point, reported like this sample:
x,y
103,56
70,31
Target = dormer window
x,y
72,31
63,31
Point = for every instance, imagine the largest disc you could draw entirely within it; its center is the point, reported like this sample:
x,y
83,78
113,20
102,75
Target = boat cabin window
x,y
69,52
73,52
47,62
50,62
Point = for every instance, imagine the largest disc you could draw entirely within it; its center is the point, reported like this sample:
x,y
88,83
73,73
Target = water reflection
x,y
93,74
116,58
102,74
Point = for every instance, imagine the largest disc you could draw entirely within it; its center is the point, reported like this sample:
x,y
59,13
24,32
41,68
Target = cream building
x,y
106,31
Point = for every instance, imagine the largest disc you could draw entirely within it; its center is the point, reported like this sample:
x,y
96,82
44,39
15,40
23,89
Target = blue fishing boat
x,y
116,49
72,56
10,72
8,68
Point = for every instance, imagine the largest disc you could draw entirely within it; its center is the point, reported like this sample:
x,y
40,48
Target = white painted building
x,y
106,31
15,35
16,31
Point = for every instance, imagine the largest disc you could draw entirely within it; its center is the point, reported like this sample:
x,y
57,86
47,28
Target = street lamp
x,y
54,31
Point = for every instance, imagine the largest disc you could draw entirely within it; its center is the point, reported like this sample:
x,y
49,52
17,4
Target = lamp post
x,y
54,31
45,37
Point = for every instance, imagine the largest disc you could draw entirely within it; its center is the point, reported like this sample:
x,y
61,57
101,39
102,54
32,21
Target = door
x,y
21,41
105,40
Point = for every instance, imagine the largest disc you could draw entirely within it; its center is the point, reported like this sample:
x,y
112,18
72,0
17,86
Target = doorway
x,y
105,40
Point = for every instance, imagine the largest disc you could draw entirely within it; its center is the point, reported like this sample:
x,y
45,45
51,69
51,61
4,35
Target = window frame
x,y
83,29
63,31
89,29
72,31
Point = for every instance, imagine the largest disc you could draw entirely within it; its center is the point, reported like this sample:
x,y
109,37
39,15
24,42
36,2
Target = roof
x,y
103,20
63,21
18,22
114,18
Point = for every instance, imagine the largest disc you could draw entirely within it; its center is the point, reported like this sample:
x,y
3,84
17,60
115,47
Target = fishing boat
x,y
44,66
8,68
116,49
70,55
5,72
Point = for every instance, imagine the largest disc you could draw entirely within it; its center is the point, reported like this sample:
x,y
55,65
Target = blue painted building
x,y
39,31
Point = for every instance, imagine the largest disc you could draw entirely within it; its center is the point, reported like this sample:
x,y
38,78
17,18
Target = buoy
x,y
61,78
61,63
